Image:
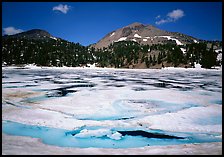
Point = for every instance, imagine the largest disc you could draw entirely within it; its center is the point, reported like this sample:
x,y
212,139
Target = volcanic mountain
x,y
144,34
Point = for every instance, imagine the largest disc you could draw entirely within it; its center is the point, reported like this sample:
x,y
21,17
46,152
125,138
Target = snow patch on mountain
x,y
195,41
137,36
183,50
121,39
218,50
219,57
170,38
112,34
53,38
134,40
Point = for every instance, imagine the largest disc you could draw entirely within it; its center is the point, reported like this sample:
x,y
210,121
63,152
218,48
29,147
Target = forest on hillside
x,y
123,54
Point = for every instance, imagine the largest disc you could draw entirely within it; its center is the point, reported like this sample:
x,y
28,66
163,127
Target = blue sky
x,y
88,22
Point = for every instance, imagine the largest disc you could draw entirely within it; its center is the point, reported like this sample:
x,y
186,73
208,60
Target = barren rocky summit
x,y
143,34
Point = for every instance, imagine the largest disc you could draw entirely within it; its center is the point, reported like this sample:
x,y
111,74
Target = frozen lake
x,y
108,108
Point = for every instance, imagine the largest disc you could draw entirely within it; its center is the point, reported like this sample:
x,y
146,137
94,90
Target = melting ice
x,y
112,108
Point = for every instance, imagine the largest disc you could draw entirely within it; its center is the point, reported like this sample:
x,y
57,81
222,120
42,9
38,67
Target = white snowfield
x,y
91,65
112,34
219,57
133,40
195,41
53,38
218,50
122,39
183,50
170,38
137,36
170,99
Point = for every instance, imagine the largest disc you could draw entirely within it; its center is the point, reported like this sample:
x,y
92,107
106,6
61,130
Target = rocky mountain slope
x,y
146,35
32,34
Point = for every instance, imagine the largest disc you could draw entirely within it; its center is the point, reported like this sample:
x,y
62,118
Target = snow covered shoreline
x,y
92,66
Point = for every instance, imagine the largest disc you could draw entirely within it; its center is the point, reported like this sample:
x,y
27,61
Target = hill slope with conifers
x,y
41,48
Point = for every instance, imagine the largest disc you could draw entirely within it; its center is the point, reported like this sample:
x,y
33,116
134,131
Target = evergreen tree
x,y
150,59
147,62
154,60
208,58
159,58
119,54
169,60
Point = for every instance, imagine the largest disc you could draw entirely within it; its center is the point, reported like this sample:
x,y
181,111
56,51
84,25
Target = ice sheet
x,y
171,99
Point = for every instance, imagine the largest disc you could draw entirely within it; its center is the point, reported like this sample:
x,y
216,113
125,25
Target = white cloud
x,y
162,21
176,14
157,17
171,16
11,31
63,8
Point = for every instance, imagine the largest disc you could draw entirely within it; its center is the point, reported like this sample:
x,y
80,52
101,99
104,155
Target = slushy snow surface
x,y
89,107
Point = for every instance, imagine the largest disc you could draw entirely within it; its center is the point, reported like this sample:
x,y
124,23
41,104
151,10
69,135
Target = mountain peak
x,y
32,34
35,32
144,34
135,24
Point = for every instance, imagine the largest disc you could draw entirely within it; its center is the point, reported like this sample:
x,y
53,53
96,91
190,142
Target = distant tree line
x,y
121,54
